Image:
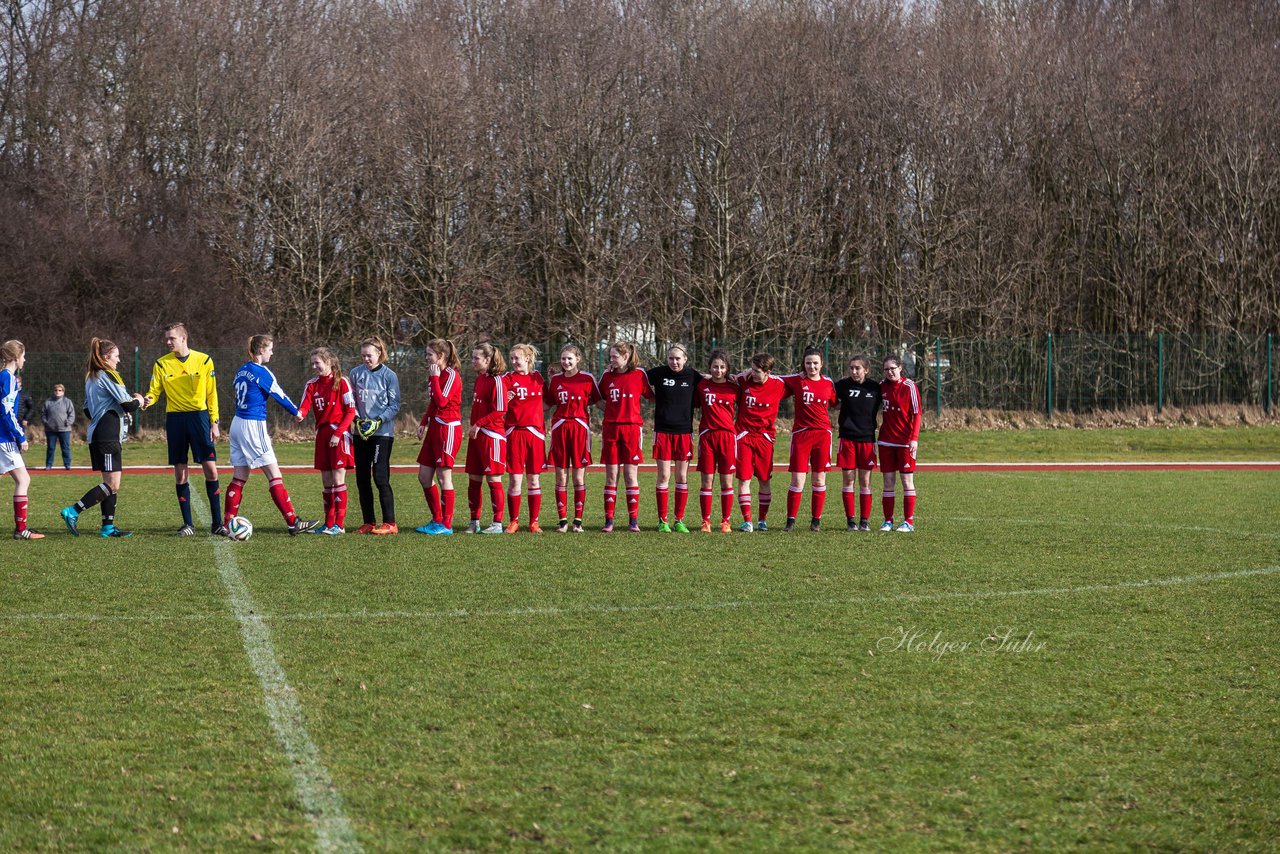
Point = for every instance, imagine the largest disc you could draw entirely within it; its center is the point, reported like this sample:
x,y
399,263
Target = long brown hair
x,y
626,348
378,344
445,347
330,358
11,351
497,364
98,350
724,357
258,343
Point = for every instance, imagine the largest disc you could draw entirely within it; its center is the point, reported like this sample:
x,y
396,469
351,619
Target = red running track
x,y
1231,465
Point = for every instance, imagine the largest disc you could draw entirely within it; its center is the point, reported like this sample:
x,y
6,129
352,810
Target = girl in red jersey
x,y
621,445
717,443
487,448
526,436
335,405
810,436
441,426
571,392
899,441
759,395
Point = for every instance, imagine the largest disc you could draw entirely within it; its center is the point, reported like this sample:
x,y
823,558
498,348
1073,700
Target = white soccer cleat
x,y
905,528
746,528
887,526
495,528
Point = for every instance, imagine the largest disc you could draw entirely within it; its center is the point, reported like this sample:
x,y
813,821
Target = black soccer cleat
x,y
301,526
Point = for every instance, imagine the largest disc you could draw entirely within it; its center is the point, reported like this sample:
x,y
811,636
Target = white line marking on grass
x,y
311,781
1115,523
552,611
733,604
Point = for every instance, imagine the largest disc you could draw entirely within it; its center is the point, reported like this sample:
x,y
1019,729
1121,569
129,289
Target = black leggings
x,y
373,457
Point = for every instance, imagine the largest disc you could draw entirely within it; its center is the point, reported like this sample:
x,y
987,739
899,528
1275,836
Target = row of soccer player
x,y
508,435
354,417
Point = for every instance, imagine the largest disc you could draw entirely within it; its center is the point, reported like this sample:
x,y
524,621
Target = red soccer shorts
x,y
755,456
893,458
526,452
570,445
333,458
717,452
622,444
857,455
440,445
810,449
487,454
672,446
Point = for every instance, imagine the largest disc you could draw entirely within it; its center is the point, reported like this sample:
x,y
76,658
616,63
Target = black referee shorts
x,y
189,430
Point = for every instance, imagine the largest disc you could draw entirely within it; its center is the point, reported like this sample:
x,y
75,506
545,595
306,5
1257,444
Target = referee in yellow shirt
x,y
186,377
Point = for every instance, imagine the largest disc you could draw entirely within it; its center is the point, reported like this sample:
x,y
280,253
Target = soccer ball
x,y
240,529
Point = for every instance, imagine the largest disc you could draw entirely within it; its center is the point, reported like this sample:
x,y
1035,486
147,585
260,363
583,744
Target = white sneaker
x,y
887,526
906,528
335,531
495,528
474,527
746,527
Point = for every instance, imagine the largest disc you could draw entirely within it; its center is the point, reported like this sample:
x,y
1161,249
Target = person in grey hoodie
x,y
58,416
108,404
377,393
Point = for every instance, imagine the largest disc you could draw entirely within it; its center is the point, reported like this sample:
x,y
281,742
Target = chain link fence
x,y
1064,373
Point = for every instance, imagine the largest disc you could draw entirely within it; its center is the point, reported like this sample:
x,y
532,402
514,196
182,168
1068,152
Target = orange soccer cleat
x,y
384,528
513,526
706,526
366,528
725,527
535,528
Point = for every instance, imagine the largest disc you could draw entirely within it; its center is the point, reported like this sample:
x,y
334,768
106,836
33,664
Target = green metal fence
x,y
1063,373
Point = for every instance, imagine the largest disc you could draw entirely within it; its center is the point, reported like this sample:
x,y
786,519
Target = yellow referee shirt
x,y
188,383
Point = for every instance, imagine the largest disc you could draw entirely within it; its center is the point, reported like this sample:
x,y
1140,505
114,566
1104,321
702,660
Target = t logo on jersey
x,y
562,396
615,394
319,402
521,392
808,397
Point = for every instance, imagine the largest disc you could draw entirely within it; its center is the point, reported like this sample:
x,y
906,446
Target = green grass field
x,y
1053,660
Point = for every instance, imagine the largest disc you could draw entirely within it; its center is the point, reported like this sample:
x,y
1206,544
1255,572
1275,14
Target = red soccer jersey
x,y
717,401
444,398
572,397
758,404
524,391
334,403
813,399
901,423
622,394
489,404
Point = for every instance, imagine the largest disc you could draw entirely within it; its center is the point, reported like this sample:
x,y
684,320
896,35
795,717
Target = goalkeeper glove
x,y
366,427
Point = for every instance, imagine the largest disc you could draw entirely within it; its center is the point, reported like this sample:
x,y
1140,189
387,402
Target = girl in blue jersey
x,y
13,439
251,441
109,404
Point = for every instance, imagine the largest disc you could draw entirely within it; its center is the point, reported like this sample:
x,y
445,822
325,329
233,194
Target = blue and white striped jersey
x,y
252,385
10,426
